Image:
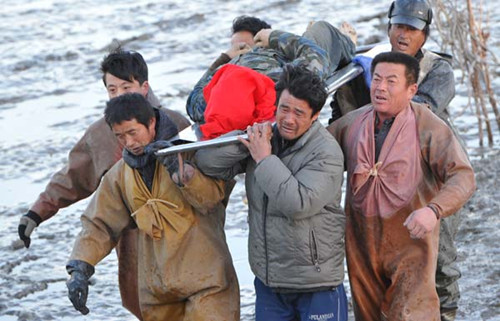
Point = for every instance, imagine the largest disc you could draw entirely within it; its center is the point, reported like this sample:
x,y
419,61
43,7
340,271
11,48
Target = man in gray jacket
x,y
294,174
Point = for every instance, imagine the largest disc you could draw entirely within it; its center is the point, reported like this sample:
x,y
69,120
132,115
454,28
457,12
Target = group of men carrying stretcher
x,y
407,174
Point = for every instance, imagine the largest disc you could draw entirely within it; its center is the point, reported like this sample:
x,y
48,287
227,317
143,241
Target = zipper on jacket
x,y
314,251
264,214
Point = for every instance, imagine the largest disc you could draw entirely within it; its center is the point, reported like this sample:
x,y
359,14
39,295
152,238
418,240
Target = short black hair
x,y
250,24
126,65
412,67
127,107
302,84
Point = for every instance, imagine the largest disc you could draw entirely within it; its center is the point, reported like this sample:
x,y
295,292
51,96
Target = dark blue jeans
x,y
328,305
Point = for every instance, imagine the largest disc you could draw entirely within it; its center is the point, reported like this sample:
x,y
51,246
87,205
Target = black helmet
x,y
415,13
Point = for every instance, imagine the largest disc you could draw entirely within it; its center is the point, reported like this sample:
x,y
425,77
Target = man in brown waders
x,y
406,170
92,156
184,269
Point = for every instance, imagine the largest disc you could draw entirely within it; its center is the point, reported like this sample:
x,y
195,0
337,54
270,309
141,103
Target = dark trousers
x,y
330,305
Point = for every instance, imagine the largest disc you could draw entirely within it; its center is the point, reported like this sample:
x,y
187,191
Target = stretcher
x,y
191,138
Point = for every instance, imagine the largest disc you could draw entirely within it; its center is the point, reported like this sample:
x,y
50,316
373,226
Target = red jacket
x,y
236,98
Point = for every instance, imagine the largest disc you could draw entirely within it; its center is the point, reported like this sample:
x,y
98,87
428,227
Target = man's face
x,y
406,39
294,116
242,36
389,91
134,136
116,86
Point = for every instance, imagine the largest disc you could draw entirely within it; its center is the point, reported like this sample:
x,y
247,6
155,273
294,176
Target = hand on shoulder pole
x,y
156,146
180,171
78,284
259,140
27,224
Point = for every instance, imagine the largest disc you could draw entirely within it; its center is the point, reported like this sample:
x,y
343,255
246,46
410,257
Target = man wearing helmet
x,y
408,30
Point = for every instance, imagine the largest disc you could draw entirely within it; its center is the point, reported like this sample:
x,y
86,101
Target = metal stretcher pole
x,y
338,78
220,141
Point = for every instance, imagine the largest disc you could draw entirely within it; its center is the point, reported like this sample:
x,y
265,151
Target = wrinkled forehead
x,y
390,69
290,101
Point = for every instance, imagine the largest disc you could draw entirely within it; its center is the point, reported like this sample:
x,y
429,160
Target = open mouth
x,y
380,99
403,45
287,129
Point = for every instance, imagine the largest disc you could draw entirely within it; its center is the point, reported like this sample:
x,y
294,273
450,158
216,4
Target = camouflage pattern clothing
x,y
338,46
283,48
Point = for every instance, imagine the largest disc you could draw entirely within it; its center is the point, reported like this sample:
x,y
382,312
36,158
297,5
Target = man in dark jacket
x,y
243,31
93,155
293,184
408,30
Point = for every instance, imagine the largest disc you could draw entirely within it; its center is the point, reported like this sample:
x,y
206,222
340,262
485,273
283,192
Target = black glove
x,y
179,176
27,224
156,146
171,163
336,112
78,284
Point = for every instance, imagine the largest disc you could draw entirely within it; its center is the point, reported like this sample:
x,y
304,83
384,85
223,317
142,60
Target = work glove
x,y
365,63
171,162
27,224
78,284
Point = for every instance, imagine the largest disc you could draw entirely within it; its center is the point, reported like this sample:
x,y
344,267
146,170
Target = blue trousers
x,y
328,305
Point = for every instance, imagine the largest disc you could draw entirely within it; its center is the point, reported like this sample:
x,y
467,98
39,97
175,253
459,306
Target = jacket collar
x,y
281,147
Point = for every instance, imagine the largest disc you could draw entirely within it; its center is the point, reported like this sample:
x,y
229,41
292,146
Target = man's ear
x,y
145,88
412,90
315,116
152,123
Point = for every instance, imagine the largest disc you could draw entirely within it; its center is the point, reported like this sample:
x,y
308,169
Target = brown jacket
x,y
392,275
92,156
181,243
